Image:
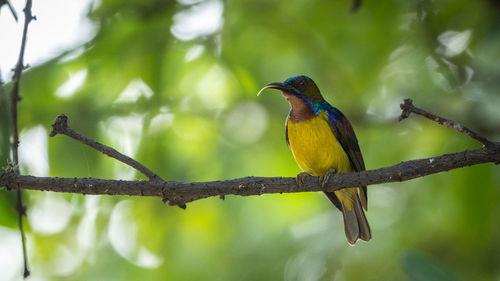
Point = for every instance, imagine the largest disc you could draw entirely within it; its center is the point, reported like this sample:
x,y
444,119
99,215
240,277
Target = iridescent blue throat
x,y
319,107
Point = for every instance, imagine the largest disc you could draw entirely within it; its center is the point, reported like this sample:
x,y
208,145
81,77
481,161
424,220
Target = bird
x,y
323,143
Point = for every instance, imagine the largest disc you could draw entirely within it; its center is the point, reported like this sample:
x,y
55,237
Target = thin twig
x,y
7,2
14,96
11,8
60,126
247,186
407,108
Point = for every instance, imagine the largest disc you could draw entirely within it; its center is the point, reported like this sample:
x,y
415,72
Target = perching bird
x,y
323,143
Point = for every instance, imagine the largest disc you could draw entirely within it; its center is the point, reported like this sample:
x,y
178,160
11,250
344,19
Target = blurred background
x,y
174,84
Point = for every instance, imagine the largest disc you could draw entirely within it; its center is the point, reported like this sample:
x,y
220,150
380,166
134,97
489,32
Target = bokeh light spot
x,y
246,122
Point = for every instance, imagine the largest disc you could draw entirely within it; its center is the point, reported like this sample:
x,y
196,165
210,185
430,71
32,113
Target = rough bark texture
x,y
176,192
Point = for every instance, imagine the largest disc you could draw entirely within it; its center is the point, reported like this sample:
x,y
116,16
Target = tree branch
x,y
7,2
180,192
407,108
14,96
60,126
187,192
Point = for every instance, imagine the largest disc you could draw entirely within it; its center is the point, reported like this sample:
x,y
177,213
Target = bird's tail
x,y
355,224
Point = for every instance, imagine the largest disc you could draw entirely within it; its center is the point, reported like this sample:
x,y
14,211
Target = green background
x,y
199,119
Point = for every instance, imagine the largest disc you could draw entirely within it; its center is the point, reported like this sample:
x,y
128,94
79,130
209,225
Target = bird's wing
x,y
342,129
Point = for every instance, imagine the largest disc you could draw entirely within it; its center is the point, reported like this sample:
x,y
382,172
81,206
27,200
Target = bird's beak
x,y
275,85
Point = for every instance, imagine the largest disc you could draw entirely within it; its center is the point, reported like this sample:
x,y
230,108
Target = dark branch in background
x,y
60,126
14,97
187,192
356,4
407,107
7,2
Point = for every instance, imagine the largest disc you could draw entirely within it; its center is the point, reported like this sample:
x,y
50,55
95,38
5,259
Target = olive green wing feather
x,y
343,131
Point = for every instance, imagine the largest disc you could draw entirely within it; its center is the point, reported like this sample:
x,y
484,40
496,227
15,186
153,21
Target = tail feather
x,y
365,233
355,223
351,227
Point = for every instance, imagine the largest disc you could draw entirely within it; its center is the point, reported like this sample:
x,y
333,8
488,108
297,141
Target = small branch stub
x,y
405,109
60,125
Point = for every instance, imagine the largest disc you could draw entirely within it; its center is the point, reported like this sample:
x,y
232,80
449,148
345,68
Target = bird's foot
x,y
326,177
300,178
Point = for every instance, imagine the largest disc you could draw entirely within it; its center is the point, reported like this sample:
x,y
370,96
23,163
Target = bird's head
x,y
301,87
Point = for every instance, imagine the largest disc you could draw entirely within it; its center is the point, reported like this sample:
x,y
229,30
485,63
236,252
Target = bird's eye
x,y
302,82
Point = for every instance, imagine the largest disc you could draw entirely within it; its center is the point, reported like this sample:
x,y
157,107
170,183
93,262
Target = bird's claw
x,y
326,177
300,178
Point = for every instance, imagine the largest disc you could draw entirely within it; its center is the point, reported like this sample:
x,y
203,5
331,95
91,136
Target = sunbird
x,y
323,143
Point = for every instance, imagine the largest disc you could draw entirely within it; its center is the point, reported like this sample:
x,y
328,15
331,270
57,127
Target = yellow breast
x,y
315,148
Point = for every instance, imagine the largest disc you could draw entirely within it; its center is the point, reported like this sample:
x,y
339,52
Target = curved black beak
x,y
278,86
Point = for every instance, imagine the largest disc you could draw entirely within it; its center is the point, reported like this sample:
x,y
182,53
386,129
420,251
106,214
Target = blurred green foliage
x,y
177,91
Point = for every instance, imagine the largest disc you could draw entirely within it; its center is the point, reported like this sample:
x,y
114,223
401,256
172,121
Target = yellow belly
x,y
315,148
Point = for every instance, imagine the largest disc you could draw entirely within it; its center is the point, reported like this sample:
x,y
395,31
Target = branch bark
x,y
14,96
179,193
407,108
187,192
60,126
